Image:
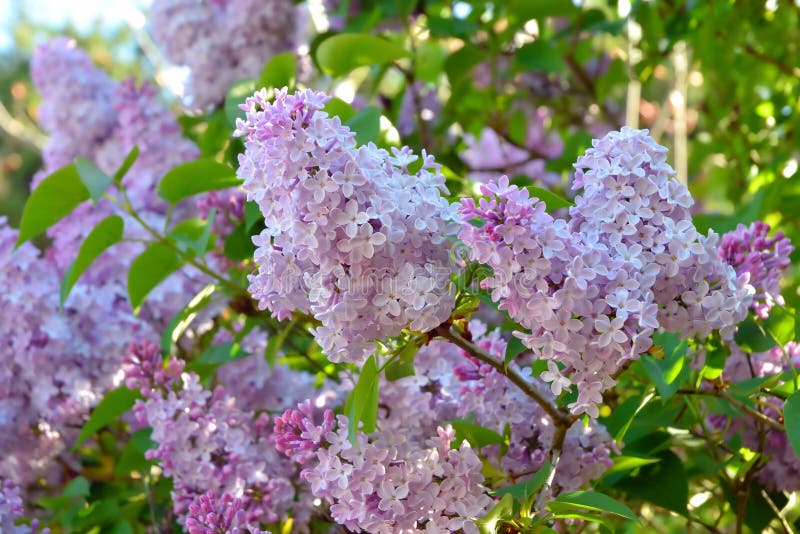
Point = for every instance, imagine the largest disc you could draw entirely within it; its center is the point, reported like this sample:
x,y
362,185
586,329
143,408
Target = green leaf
x,y
550,199
461,62
114,404
222,353
666,374
791,417
538,9
566,512
252,214
362,404
239,244
280,71
403,364
502,511
664,484
95,180
366,124
522,491
236,96
194,235
132,457
593,501
130,159
107,233
477,435
336,107
148,270
341,53
627,463
276,342
539,55
514,348
54,198
196,177
181,320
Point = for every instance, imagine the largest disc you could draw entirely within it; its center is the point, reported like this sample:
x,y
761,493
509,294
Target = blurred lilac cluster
x,y
222,41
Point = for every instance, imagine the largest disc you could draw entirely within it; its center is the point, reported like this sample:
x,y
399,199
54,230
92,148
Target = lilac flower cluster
x,y
781,470
78,346
352,235
11,509
390,477
206,442
211,515
593,289
222,41
490,154
749,250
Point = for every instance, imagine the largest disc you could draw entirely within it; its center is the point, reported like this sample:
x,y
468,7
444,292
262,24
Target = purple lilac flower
x,y
11,510
352,236
749,250
593,290
205,442
781,470
209,514
222,41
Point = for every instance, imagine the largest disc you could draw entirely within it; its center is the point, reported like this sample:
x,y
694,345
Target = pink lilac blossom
x,y
222,41
749,250
781,470
592,290
388,481
490,154
352,236
205,442
209,514
11,510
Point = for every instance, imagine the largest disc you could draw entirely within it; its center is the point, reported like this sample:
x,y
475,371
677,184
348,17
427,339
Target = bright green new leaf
x,y
95,180
107,233
593,501
791,418
403,364
115,403
362,404
181,320
148,270
54,198
336,107
550,199
341,53
236,96
366,124
196,177
280,71
130,159
502,511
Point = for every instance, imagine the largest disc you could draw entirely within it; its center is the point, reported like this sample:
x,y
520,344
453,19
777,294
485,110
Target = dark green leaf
x,y
54,198
341,53
239,245
115,403
95,180
666,373
538,9
222,353
461,62
514,348
196,177
132,456
252,214
366,124
280,71
539,55
105,234
148,270
791,417
664,483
